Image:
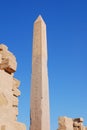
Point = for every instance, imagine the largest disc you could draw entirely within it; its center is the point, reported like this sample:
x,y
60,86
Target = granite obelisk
x,y
39,114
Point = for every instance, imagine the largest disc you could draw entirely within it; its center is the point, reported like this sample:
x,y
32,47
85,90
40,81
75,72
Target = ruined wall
x,y
8,91
66,123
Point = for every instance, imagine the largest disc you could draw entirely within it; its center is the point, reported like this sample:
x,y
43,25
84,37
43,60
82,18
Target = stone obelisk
x,y
39,114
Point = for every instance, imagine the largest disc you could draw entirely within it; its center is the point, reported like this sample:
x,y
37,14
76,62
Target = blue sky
x,y
67,52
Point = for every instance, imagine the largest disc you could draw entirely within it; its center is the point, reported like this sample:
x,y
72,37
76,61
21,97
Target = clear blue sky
x,y
67,52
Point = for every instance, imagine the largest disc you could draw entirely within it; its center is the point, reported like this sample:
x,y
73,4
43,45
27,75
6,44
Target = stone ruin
x,y
66,123
9,91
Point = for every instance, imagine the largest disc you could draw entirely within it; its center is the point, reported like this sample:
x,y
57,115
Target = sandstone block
x,y
15,101
3,127
16,84
7,60
3,100
75,128
65,123
77,124
0,58
3,47
16,92
78,120
8,65
12,126
8,91
15,110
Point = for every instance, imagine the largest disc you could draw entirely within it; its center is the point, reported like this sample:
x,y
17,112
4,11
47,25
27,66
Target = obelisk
x,y
39,114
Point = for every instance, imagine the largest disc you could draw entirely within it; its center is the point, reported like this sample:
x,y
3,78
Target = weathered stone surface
x,y
15,101
15,110
12,126
16,92
7,60
3,47
3,127
78,120
8,91
3,99
16,83
78,124
0,58
40,117
65,123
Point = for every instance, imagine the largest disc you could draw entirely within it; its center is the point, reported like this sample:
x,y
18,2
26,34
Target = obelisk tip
x,y
39,19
